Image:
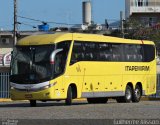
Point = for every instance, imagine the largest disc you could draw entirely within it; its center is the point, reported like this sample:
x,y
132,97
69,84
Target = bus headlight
x,y
53,84
31,88
48,86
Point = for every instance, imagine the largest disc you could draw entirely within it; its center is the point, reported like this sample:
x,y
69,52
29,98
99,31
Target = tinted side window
x,y
96,51
90,51
61,57
77,52
105,52
117,52
130,53
139,53
149,53
133,53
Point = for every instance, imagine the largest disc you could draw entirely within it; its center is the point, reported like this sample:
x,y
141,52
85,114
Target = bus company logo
x,y
137,68
78,69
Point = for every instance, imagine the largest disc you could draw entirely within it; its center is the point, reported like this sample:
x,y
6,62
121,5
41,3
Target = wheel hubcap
x,y
128,95
137,93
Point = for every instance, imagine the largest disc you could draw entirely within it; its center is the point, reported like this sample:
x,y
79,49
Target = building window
x,y
149,21
136,3
141,3
152,21
146,2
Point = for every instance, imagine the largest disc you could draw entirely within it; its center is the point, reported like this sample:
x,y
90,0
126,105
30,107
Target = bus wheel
x,y
33,103
136,94
128,96
69,98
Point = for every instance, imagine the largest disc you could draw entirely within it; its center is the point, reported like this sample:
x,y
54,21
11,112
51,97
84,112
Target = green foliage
x,y
134,29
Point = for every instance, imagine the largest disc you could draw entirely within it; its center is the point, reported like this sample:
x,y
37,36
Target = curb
x,y
80,99
144,99
154,99
150,99
5,100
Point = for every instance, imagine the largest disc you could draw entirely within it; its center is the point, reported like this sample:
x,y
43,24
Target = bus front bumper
x,y
46,94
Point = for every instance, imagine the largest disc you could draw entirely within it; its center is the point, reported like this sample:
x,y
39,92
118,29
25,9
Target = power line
x,y
50,22
31,19
59,23
26,24
44,22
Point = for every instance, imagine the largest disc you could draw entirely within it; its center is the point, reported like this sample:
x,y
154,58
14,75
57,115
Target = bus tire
x,y
69,98
137,94
33,103
128,96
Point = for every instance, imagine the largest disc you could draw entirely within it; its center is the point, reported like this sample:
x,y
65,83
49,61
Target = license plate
x,y
28,96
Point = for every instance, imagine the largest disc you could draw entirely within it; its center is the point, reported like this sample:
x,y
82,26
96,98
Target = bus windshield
x,y
31,64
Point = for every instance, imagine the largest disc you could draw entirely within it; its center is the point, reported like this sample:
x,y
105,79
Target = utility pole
x,y
15,23
122,22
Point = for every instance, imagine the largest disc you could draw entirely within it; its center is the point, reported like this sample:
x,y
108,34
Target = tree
x,y
134,29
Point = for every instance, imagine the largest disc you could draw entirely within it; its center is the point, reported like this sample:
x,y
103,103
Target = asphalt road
x,y
80,110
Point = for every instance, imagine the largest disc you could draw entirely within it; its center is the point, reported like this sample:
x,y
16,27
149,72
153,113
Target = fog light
x,y
12,88
12,96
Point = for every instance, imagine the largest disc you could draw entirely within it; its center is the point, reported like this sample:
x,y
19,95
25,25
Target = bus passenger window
x,y
133,53
105,52
90,54
117,52
130,53
149,53
139,53
77,53
61,57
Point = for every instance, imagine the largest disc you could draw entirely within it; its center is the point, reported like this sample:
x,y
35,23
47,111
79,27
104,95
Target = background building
x,y
146,11
6,45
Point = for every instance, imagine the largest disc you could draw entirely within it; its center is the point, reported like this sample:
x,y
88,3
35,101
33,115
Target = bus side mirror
x,y
52,59
53,54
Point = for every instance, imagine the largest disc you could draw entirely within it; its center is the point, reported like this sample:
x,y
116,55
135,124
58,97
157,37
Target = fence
x,y
4,85
157,95
158,86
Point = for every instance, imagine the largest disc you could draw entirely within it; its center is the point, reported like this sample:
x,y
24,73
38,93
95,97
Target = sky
x,y
60,11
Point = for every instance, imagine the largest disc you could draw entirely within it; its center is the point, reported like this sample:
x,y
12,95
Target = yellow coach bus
x,y
65,66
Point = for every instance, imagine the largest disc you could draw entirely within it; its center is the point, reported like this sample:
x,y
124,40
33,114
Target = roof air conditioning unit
x,y
5,41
